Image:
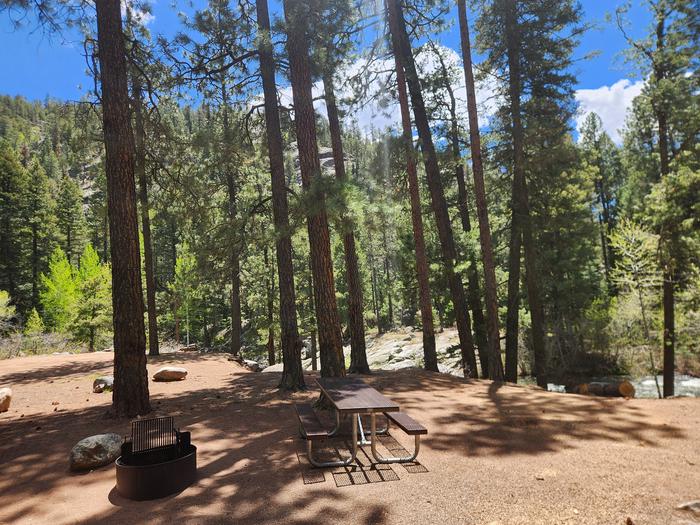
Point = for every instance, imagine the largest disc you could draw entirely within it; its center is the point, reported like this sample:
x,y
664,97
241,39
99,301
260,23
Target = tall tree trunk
x,y
234,255
140,167
669,338
402,49
235,269
292,373
521,207
328,321
495,364
314,353
473,287
356,324
35,266
270,290
426,309
130,394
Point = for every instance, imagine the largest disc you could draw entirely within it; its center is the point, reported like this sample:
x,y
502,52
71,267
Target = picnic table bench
x,y
352,396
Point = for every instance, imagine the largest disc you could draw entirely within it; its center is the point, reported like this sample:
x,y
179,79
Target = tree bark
x,y
235,270
130,394
521,207
356,323
328,321
426,309
140,167
234,255
292,373
270,289
402,49
487,257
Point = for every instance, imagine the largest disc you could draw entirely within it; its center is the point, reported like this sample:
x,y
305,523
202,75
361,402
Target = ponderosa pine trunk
x,y
140,136
130,394
521,220
473,286
292,372
270,290
487,257
669,337
297,15
426,309
402,49
234,253
356,322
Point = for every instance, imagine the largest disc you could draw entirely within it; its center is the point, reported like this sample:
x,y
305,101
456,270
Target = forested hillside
x,y
595,244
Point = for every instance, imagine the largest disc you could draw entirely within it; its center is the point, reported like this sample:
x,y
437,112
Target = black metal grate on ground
x,y
397,449
313,476
364,471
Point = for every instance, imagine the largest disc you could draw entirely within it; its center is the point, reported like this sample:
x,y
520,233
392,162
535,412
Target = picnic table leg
x,y
340,463
337,424
378,456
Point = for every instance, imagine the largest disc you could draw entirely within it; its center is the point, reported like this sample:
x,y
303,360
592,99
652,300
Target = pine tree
x,y
402,49
14,231
292,374
93,310
42,224
491,286
297,16
668,54
59,294
70,218
130,395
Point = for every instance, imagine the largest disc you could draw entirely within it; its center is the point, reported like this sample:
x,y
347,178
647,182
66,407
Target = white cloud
x,y
610,103
383,111
142,15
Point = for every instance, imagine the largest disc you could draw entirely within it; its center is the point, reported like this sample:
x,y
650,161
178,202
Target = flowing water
x,y
645,386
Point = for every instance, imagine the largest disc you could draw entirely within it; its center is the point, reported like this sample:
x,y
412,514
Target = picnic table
x,y
352,396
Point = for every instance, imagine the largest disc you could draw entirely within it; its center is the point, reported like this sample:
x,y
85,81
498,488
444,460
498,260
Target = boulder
x,y
170,373
190,348
95,451
274,368
252,365
102,383
5,399
691,506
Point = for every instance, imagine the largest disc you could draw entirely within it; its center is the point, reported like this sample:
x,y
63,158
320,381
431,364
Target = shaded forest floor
x,y
494,454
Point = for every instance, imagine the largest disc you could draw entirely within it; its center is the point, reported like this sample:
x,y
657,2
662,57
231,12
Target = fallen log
x,y
606,389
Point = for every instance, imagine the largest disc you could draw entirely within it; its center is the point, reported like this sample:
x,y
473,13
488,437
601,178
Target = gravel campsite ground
x,y
494,453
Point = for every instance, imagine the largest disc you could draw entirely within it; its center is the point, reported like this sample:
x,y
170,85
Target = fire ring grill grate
x,y
158,460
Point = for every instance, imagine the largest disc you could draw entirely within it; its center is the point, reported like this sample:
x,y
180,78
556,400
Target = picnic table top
x,y
352,394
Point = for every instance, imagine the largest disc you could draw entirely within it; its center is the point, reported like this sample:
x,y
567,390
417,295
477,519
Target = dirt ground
x,y
494,454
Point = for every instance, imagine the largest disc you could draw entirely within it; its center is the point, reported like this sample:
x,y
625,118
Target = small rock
x,y
102,383
189,348
170,373
54,403
95,451
5,399
692,506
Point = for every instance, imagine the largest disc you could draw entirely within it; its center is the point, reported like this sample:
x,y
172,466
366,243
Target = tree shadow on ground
x,y
246,433
247,460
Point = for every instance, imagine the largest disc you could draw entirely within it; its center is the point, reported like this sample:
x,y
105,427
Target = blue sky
x,y
37,65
